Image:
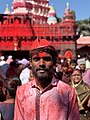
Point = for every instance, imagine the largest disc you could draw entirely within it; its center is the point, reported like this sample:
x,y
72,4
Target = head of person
x,y
82,64
58,65
73,64
11,86
43,59
12,70
2,58
9,59
22,63
65,67
76,76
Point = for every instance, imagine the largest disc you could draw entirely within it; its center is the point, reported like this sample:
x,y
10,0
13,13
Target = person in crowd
x,y
2,95
12,71
25,71
45,97
58,70
85,72
2,60
72,65
65,73
86,76
88,62
7,106
5,67
81,65
83,94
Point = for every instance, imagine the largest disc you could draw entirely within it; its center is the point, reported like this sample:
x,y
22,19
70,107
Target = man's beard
x,y
42,76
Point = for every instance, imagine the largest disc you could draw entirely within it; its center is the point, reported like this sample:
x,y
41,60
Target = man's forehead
x,y
42,54
73,63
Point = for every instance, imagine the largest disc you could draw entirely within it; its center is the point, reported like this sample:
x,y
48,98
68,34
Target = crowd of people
x,y
44,87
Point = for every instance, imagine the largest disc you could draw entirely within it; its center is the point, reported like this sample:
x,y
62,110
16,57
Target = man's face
x,y
21,67
42,65
82,66
73,65
65,69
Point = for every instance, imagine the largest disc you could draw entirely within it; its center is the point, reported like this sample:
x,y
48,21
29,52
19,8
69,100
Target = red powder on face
x,y
42,54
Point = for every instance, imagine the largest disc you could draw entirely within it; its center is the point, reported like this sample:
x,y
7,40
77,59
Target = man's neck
x,y
42,84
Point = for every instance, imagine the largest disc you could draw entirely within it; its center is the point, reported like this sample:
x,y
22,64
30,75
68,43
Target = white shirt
x,y
2,62
87,64
24,75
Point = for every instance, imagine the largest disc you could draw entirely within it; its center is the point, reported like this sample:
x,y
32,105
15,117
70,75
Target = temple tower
x,y
36,9
68,30
52,16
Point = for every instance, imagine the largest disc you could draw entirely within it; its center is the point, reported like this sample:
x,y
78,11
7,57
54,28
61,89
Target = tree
x,y
84,27
73,14
59,19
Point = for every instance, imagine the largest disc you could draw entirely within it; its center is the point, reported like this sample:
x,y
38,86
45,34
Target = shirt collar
x,y
53,83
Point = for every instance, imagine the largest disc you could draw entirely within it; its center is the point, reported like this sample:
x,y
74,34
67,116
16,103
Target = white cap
x,y
23,61
81,61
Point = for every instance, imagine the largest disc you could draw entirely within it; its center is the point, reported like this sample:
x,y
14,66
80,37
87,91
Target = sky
x,y
81,7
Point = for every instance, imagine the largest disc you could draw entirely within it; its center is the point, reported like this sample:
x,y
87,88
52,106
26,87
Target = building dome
x,y
52,20
68,17
52,13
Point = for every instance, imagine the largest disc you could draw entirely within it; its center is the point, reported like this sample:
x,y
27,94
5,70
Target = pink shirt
x,y
57,102
86,76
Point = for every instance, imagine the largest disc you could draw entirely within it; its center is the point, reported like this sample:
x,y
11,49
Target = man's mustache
x,y
45,69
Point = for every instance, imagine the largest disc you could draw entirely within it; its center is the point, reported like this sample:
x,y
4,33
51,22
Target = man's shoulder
x,y
28,84
67,93
25,87
65,87
4,65
61,83
24,91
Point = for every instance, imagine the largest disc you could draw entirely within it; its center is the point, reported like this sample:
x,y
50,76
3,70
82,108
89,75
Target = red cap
x,y
39,43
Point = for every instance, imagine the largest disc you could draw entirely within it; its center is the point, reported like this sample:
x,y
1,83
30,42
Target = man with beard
x,y
45,97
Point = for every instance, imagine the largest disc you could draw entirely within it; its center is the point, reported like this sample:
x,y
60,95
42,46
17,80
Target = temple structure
x,y
83,46
32,19
37,10
52,16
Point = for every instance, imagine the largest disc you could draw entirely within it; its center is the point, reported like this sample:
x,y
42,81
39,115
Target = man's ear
x,y
30,62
